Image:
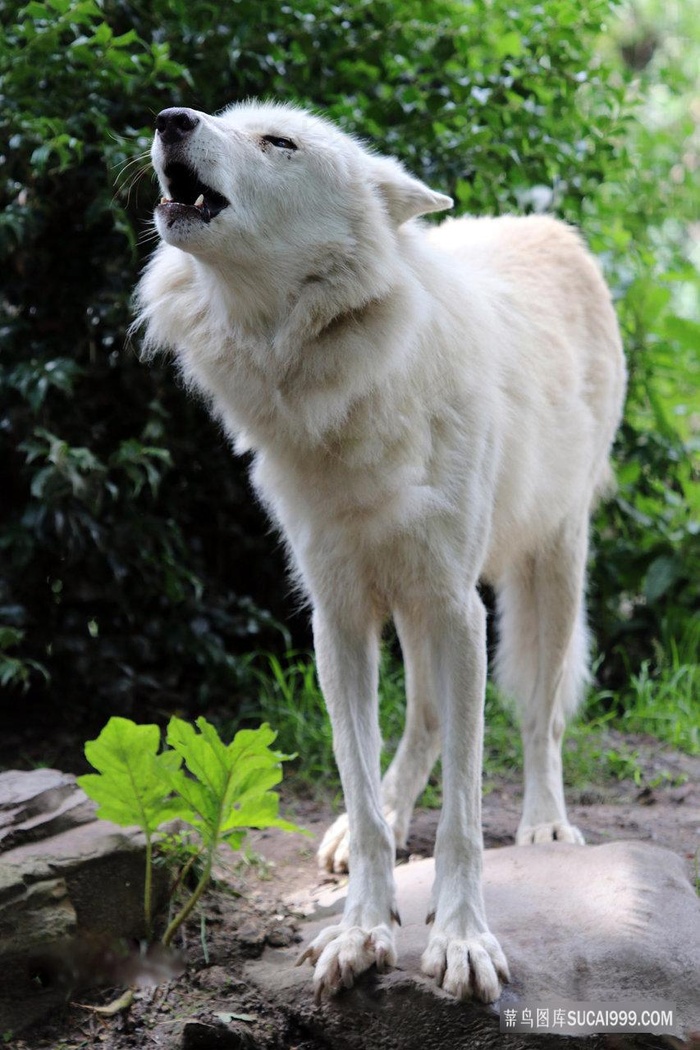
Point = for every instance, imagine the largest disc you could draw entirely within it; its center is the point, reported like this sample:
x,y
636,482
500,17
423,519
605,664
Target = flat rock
x,y
70,886
618,922
39,803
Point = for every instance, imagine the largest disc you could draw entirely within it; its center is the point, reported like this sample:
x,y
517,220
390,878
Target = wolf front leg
x,y
415,757
462,954
347,657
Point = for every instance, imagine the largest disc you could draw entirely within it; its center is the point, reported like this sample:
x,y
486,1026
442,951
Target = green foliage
x,y
588,755
644,586
118,579
658,701
132,784
222,791
667,705
288,695
648,554
227,792
16,672
505,113
661,698
228,788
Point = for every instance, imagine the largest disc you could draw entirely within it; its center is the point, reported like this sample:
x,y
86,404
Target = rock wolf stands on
x,y
426,407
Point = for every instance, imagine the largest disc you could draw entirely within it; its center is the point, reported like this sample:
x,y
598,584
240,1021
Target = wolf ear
x,y
405,197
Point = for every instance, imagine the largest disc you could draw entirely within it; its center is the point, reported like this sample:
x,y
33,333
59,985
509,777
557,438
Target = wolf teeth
x,y
199,203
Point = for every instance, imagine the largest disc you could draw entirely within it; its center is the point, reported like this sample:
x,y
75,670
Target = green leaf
x,y
10,636
661,575
509,45
133,783
683,330
229,787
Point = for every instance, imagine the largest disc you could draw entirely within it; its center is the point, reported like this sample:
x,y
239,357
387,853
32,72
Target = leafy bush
x,y
128,530
224,790
647,550
135,566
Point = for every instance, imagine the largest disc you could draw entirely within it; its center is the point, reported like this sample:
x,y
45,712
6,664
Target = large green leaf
x,y
229,786
132,785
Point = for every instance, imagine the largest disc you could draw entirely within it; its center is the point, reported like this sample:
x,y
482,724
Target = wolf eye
x,y
280,143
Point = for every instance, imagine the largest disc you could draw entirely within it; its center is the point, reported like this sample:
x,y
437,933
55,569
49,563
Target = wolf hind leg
x,y
418,751
542,663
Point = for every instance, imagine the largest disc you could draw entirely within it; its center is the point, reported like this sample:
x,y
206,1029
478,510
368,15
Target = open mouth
x,y
189,195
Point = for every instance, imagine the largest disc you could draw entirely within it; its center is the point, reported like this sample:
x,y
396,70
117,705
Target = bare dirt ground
x,y
257,900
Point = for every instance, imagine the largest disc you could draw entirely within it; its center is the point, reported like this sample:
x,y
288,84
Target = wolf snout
x,y
175,124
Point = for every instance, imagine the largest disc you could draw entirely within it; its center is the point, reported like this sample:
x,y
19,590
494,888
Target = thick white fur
x,y
425,407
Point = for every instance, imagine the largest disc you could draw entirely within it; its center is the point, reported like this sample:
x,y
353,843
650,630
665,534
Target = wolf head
x,y
276,181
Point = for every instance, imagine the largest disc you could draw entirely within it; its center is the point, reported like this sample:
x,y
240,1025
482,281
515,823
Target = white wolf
x,y
426,407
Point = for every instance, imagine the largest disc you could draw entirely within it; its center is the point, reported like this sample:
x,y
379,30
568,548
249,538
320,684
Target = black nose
x,y
173,125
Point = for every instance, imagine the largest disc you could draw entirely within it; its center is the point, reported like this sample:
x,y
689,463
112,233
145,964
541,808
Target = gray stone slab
x,y
594,924
38,803
70,885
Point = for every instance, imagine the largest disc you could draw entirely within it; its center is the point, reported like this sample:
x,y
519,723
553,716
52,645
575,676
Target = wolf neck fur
x,y
291,346
286,302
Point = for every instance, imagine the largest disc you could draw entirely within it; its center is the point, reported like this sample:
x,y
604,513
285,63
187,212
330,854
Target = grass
x,y
662,698
661,703
290,699
667,706
591,753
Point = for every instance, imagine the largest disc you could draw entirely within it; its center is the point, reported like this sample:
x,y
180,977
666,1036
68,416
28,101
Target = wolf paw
x,y
342,953
334,851
556,831
472,968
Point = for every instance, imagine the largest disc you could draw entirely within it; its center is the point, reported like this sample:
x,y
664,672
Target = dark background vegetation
x,y
136,572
